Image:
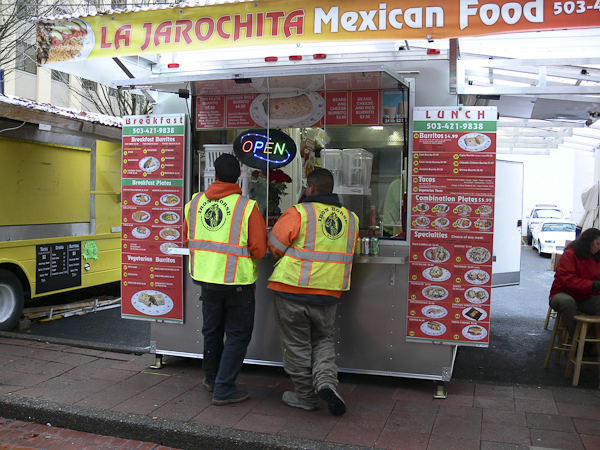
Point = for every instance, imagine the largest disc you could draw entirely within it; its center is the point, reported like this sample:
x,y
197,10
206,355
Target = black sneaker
x,y
335,403
236,397
209,387
290,398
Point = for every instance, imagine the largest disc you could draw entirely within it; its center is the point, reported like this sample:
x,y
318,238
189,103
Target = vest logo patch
x,y
213,217
333,227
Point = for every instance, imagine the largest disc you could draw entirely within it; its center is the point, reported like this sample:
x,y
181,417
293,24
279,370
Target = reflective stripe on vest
x,y
231,249
308,255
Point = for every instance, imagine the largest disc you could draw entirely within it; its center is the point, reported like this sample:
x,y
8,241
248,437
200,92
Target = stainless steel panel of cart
x,y
371,324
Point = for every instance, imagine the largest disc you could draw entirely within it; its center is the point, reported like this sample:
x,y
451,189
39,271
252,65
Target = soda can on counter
x,y
358,247
374,246
366,246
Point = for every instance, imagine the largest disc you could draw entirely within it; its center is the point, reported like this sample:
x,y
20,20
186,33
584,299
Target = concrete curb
x,y
160,431
75,343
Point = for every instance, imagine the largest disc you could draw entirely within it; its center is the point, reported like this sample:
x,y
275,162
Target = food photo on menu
x,y
64,41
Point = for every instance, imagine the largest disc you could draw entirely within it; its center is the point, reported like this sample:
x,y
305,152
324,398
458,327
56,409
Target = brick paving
x,y
20,435
383,412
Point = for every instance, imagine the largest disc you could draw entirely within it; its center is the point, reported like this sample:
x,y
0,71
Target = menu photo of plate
x,y
484,210
434,311
170,234
474,142
170,200
477,276
140,232
483,224
435,292
462,223
474,313
152,303
436,254
440,208
169,217
141,216
166,246
287,109
141,199
433,328
474,332
441,222
476,295
478,255
149,164
421,221
436,273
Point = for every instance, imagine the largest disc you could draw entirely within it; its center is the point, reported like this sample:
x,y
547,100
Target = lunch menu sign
x,y
453,167
152,217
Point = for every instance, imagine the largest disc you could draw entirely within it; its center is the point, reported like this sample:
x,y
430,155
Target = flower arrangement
x,y
277,188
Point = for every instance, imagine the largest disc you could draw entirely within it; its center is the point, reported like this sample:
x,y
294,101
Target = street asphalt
x,y
518,340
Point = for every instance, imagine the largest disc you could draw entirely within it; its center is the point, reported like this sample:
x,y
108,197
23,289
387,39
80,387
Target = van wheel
x,y
11,300
529,239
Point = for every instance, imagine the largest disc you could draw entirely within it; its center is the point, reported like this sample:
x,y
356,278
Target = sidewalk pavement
x,y
118,395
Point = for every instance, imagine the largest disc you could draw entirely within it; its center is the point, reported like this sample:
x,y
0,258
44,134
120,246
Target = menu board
x,y
453,167
152,217
58,266
358,107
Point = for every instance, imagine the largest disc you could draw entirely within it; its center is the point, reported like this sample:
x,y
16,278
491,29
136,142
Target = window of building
x,y
118,4
57,75
89,85
24,9
26,57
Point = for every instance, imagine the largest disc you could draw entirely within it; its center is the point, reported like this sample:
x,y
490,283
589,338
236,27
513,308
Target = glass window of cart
x,y
353,124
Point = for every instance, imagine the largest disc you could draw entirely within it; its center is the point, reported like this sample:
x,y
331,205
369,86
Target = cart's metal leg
x,y
440,391
159,362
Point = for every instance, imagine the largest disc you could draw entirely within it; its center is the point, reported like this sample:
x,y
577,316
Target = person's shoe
x,y
209,387
335,403
290,398
236,397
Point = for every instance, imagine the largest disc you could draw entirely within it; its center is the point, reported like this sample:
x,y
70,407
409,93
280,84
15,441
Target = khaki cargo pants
x,y
306,334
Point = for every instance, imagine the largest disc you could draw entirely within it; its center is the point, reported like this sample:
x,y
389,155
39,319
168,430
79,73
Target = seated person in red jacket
x,y
576,286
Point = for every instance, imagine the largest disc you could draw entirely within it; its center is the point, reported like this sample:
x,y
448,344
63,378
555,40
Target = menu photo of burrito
x,y
300,109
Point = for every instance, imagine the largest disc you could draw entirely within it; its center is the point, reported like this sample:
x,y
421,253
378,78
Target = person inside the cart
x,y
576,286
315,241
225,234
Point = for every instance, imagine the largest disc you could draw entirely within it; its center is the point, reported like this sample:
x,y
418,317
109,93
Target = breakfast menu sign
x,y
152,217
453,166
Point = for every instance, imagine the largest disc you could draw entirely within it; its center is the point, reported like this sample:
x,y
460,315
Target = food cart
x,y
346,91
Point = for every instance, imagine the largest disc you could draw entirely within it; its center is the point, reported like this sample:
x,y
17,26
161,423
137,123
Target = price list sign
x,y
453,166
152,217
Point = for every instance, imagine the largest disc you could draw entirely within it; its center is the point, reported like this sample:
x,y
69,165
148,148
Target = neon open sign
x,y
257,148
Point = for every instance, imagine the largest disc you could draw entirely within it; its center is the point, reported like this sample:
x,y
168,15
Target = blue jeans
x,y
227,313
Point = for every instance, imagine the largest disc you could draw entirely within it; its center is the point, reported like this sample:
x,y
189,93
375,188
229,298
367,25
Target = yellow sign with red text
x,y
235,25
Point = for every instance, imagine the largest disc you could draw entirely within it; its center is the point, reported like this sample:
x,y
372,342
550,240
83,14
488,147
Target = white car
x,y
550,235
538,214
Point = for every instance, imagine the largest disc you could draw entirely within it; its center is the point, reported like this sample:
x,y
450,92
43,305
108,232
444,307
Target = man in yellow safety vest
x,y
225,233
316,241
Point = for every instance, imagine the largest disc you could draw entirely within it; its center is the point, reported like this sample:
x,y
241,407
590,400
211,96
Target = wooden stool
x,y
563,343
579,341
551,313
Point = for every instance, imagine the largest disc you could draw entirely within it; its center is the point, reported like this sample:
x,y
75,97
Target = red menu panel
x,y
336,109
452,224
152,218
210,111
364,108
